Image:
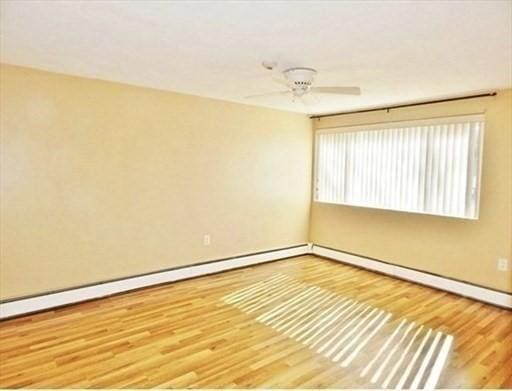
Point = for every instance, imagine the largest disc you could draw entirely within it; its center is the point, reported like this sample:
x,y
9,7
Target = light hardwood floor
x,y
304,322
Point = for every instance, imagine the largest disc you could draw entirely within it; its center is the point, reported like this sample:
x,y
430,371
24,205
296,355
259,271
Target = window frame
x,y
474,117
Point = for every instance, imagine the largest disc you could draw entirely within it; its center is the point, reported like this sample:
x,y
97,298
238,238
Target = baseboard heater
x,y
36,303
487,295
26,305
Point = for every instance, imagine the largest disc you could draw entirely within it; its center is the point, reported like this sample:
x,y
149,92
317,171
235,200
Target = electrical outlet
x,y
206,240
503,264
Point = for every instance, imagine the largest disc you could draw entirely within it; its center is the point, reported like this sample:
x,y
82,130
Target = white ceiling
x,y
396,51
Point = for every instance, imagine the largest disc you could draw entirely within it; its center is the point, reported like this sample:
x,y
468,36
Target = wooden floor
x,y
304,322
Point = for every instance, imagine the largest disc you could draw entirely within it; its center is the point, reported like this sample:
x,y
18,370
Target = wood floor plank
x,y
273,325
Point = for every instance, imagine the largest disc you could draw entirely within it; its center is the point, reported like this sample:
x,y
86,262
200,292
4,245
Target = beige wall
x,y
102,180
462,249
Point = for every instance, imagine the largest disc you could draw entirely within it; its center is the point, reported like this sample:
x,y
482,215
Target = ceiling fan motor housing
x,y
300,79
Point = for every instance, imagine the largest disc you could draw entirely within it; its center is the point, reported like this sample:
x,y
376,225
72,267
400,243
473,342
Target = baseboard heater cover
x,y
501,299
42,302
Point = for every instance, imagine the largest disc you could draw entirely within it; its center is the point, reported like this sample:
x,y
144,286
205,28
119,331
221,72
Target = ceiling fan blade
x,y
283,82
268,94
338,90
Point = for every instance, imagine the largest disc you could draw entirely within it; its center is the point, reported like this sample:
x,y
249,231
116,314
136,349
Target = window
x,y
429,166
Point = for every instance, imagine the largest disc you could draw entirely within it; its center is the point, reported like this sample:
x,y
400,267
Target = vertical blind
x,y
429,166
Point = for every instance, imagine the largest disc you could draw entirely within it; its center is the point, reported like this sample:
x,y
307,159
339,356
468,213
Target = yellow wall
x,y
102,180
462,249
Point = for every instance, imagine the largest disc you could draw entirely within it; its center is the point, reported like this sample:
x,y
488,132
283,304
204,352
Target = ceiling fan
x,y
299,82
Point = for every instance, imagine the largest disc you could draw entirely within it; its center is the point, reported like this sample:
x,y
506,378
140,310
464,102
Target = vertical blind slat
x,y
426,168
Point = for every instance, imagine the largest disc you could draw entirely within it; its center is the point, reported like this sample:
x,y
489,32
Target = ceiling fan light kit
x,y
300,79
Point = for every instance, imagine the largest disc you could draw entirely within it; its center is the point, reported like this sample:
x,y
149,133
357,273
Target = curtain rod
x,y
387,108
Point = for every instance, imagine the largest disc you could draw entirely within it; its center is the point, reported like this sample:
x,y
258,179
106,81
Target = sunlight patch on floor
x,y
381,349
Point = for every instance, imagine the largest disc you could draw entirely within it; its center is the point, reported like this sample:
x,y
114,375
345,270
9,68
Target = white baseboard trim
x,y
487,295
51,300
